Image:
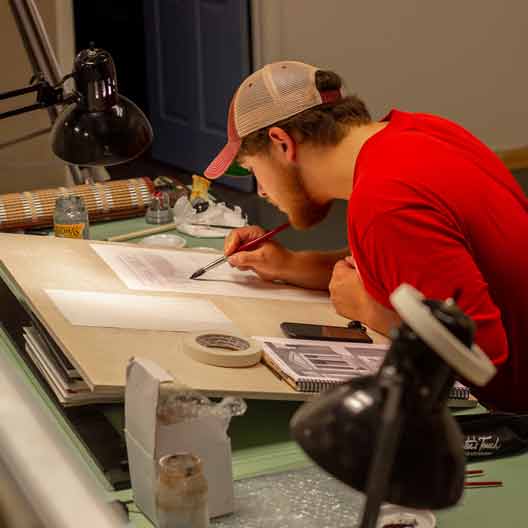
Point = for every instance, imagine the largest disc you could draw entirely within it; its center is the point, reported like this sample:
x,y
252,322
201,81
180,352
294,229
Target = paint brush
x,y
473,472
483,484
252,244
219,226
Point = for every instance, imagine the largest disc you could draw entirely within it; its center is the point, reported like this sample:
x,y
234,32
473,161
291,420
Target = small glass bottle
x,y
70,219
181,494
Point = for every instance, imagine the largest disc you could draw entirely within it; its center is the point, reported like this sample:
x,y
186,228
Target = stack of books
x,y
62,377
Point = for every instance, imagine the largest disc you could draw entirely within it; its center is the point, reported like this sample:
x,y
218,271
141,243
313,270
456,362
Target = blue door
x,y
197,52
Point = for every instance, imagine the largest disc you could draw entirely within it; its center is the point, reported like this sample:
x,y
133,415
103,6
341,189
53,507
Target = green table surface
x,y
261,443
104,230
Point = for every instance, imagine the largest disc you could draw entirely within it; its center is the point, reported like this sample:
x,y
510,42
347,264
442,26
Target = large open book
x,y
315,366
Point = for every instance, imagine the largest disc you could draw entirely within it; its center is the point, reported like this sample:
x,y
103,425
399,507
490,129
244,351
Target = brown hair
x,y
326,124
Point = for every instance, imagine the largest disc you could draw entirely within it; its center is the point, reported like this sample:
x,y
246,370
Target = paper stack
x,y
61,375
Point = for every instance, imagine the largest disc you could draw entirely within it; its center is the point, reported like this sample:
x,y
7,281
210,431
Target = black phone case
x,y
357,336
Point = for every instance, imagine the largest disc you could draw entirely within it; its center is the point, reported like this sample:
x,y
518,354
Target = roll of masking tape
x,y
222,350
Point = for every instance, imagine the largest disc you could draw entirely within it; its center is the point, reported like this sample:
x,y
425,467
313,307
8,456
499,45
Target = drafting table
x,y
261,443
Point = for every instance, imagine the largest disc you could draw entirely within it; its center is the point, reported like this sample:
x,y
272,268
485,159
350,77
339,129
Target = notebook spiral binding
x,y
316,385
459,392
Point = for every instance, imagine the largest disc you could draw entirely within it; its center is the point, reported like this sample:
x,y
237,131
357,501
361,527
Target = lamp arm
x,y
387,441
20,91
47,96
40,53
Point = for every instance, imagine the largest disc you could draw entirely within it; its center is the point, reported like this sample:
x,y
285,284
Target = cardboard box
x,y
148,440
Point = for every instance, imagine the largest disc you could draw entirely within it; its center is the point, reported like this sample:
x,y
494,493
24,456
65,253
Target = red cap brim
x,y
223,160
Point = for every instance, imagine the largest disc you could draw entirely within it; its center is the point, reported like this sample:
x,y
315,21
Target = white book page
x,y
166,270
142,312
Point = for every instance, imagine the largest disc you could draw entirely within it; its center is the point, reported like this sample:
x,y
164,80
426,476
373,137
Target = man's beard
x,y
302,211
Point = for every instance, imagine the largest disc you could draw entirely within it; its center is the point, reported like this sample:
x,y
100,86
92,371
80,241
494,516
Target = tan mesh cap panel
x,y
277,91
271,94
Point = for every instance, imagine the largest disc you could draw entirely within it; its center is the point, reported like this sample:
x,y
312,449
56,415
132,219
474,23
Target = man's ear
x,y
283,143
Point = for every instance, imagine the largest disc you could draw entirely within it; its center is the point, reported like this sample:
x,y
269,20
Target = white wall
x,y
30,164
464,59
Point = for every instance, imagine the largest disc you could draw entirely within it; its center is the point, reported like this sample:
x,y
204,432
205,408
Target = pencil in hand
x,y
252,244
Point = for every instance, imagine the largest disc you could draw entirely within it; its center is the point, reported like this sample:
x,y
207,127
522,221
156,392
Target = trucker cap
x,y
275,92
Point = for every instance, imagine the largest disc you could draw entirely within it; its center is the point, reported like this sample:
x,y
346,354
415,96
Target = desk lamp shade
x,y
425,464
100,127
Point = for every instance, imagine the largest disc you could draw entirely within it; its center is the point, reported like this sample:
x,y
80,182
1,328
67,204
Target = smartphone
x,y
324,332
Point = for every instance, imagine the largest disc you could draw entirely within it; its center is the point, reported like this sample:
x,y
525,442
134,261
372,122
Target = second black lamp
x,y
392,435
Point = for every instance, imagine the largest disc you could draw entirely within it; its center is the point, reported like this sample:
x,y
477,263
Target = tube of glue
x,y
199,193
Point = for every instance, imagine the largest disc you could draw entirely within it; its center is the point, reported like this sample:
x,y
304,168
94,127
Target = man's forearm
x,y
312,269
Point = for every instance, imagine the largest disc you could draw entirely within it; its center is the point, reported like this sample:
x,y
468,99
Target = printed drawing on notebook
x,y
167,270
315,366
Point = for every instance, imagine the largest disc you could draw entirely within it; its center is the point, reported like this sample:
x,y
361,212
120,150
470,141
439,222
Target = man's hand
x,y
348,295
269,261
352,301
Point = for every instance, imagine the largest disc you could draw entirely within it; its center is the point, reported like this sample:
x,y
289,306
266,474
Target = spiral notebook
x,y
316,366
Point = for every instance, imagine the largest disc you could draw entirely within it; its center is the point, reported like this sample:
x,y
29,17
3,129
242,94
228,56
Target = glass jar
x,y
70,219
181,494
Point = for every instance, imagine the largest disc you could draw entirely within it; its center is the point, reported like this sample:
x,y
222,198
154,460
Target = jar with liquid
x,y
70,219
181,494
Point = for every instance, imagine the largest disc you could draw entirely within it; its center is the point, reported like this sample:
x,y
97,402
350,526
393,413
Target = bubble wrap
x,y
307,498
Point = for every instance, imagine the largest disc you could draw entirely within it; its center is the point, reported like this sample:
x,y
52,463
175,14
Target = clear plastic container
x,y
181,494
70,219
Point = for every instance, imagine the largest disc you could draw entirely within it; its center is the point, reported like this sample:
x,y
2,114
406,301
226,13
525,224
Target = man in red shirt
x,y
428,204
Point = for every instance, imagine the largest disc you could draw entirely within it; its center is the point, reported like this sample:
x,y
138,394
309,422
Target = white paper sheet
x,y
141,312
165,270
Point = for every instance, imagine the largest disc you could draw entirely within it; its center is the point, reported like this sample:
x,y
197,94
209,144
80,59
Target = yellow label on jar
x,y
69,230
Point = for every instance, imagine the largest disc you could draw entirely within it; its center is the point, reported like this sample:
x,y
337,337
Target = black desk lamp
x,y
392,436
98,126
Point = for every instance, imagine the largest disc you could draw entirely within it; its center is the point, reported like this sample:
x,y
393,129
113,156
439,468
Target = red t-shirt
x,y
435,208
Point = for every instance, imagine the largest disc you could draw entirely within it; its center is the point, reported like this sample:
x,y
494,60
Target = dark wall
x,y
522,178
116,26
